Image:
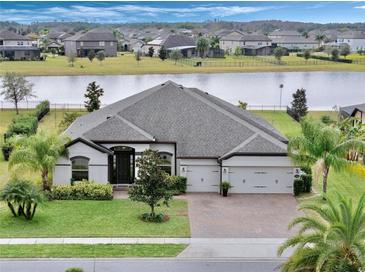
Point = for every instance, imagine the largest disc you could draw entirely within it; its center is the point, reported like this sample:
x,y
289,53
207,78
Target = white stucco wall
x,y
98,164
355,44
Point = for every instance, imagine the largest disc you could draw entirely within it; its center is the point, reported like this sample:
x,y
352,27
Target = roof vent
x,y
181,86
206,93
162,84
108,117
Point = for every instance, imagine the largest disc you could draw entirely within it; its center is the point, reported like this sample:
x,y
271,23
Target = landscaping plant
x,y
38,153
151,185
331,239
299,104
22,198
225,186
324,147
83,190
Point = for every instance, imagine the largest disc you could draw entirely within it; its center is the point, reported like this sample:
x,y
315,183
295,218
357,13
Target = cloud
x,y
120,13
360,7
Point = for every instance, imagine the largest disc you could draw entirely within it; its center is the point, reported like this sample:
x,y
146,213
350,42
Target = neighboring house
x,y
97,39
357,111
198,136
292,40
132,45
185,44
56,40
17,47
250,44
356,40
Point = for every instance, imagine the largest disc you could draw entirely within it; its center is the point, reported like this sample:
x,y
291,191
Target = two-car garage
x,y
246,174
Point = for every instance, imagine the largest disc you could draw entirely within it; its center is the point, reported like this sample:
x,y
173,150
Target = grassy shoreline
x,y
127,65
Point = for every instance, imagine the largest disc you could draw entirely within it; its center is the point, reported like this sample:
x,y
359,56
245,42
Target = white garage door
x,y
261,179
203,178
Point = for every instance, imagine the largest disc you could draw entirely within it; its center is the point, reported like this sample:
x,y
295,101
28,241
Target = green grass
x,y
127,64
90,251
117,218
281,121
348,184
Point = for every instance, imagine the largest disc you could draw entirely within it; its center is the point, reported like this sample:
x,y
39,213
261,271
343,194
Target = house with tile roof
x,y
198,135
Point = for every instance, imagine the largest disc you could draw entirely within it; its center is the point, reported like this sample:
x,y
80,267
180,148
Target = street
x,y
141,265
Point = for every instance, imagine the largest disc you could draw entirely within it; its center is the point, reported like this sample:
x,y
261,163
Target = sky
x,y
171,11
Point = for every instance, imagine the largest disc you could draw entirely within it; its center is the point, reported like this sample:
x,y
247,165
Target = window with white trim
x,y
165,162
102,43
80,168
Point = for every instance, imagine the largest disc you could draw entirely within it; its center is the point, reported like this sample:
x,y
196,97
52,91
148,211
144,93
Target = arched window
x,y
80,168
165,161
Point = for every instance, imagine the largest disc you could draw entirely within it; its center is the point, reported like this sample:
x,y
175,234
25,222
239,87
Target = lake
x,y
324,89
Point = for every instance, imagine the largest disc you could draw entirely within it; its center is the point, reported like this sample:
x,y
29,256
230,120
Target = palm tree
x,y
320,37
331,239
202,45
323,146
38,153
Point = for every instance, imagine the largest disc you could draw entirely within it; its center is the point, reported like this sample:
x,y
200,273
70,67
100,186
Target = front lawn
x,y
117,218
90,251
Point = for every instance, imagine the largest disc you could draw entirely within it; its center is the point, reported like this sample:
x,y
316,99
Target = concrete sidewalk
x,y
255,248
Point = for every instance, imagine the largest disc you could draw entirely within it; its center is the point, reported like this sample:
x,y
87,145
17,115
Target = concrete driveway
x,y
241,215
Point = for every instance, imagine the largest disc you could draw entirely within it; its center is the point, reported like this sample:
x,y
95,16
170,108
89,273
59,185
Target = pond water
x,y
324,89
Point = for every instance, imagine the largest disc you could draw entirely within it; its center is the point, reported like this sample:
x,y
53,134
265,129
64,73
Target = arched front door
x,y
121,165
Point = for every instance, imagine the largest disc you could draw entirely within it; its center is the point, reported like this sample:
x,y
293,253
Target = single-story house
x,y
17,47
198,136
99,39
250,44
357,111
184,43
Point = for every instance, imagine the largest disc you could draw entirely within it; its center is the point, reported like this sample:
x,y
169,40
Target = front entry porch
x,y
122,166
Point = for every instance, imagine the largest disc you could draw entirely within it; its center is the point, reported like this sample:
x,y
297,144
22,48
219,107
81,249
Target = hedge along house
x,y
198,136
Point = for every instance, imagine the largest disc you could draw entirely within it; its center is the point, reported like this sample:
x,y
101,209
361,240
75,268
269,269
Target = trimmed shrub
x,y
307,182
41,109
306,170
84,190
178,184
22,125
298,186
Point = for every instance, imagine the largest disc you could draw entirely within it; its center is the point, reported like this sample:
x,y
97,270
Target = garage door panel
x,y
261,180
203,178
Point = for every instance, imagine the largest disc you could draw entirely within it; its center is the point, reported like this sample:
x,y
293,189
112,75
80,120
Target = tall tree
x,y
202,46
320,37
345,50
91,55
214,42
299,103
151,51
72,59
279,52
151,185
38,153
176,55
162,53
323,147
330,239
100,55
16,88
93,94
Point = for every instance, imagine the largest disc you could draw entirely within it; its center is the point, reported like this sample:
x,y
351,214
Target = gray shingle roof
x,y
173,41
295,40
201,125
285,33
352,35
238,36
99,34
348,110
9,35
260,145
